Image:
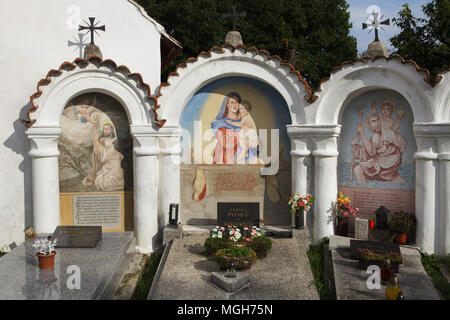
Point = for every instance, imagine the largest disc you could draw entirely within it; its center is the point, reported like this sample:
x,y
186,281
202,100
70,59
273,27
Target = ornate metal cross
x,y
234,15
79,44
92,28
375,24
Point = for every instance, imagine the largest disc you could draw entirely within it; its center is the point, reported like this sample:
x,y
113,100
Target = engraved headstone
x,y
77,236
238,214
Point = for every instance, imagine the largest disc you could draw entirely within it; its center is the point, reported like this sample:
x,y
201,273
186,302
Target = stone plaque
x,y
97,210
374,246
77,236
238,214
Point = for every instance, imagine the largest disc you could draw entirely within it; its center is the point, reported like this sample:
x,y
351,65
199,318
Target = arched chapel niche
x,y
223,113
96,164
376,162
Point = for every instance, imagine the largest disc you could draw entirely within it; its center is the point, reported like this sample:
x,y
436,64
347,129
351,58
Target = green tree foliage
x,y
318,30
425,40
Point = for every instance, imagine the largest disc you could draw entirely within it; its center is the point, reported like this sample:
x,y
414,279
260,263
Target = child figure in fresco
x,y
248,137
389,125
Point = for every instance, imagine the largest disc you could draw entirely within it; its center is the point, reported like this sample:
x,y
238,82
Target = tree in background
x,y
426,41
318,30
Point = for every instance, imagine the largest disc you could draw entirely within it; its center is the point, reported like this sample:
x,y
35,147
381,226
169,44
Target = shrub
x,y
261,245
212,245
243,257
401,222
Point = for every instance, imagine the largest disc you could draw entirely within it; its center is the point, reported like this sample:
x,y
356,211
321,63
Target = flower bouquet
x,y
299,205
342,209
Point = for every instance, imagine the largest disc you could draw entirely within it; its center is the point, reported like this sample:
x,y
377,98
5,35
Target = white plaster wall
x,y
34,39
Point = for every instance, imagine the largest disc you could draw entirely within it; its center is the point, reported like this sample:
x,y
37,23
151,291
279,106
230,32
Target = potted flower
x,y
341,210
400,224
235,236
217,240
300,204
46,253
259,242
242,257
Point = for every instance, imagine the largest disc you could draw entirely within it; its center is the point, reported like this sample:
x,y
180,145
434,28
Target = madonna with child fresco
x,y
380,156
235,132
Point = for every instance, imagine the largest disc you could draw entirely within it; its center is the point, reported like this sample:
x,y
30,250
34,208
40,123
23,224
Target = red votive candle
x,y
371,224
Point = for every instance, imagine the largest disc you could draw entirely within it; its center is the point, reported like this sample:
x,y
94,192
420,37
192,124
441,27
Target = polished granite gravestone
x,y
100,269
238,214
77,236
351,282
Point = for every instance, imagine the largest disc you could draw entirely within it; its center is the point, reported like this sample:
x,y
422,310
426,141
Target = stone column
x,y
325,191
146,152
425,199
325,178
299,174
444,202
169,176
45,179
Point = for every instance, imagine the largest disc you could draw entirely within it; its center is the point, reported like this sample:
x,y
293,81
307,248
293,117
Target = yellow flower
x,y
346,199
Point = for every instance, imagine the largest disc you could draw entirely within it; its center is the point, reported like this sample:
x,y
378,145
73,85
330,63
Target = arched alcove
x,y
96,164
376,165
209,175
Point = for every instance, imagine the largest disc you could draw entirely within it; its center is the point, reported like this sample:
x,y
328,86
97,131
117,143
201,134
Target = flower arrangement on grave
x,y
400,224
367,257
242,257
223,238
46,253
300,204
343,208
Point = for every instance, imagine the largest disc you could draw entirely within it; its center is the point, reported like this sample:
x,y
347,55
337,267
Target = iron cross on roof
x,y
234,15
375,24
92,28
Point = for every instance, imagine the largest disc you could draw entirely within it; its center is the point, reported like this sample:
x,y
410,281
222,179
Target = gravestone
x,y
77,236
361,229
238,214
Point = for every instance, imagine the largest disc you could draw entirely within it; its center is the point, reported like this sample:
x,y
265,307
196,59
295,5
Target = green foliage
x,y
425,40
318,30
2,254
212,245
431,266
243,257
261,245
368,255
401,222
316,261
145,283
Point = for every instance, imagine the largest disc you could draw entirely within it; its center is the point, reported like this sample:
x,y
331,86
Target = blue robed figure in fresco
x,y
226,129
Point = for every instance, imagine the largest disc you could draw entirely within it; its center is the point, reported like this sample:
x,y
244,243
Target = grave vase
x,y
299,219
341,226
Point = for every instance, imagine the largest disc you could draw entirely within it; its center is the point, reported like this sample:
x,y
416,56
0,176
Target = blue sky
x,y
389,8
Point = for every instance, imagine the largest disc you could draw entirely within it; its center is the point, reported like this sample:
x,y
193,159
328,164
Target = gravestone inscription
x,y
77,236
238,214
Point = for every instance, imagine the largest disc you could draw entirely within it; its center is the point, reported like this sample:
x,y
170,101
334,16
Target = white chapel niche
x,y
96,164
381,169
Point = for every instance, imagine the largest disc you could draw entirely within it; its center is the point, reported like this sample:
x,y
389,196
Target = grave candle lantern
x,y
173,214
382,217
371,224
